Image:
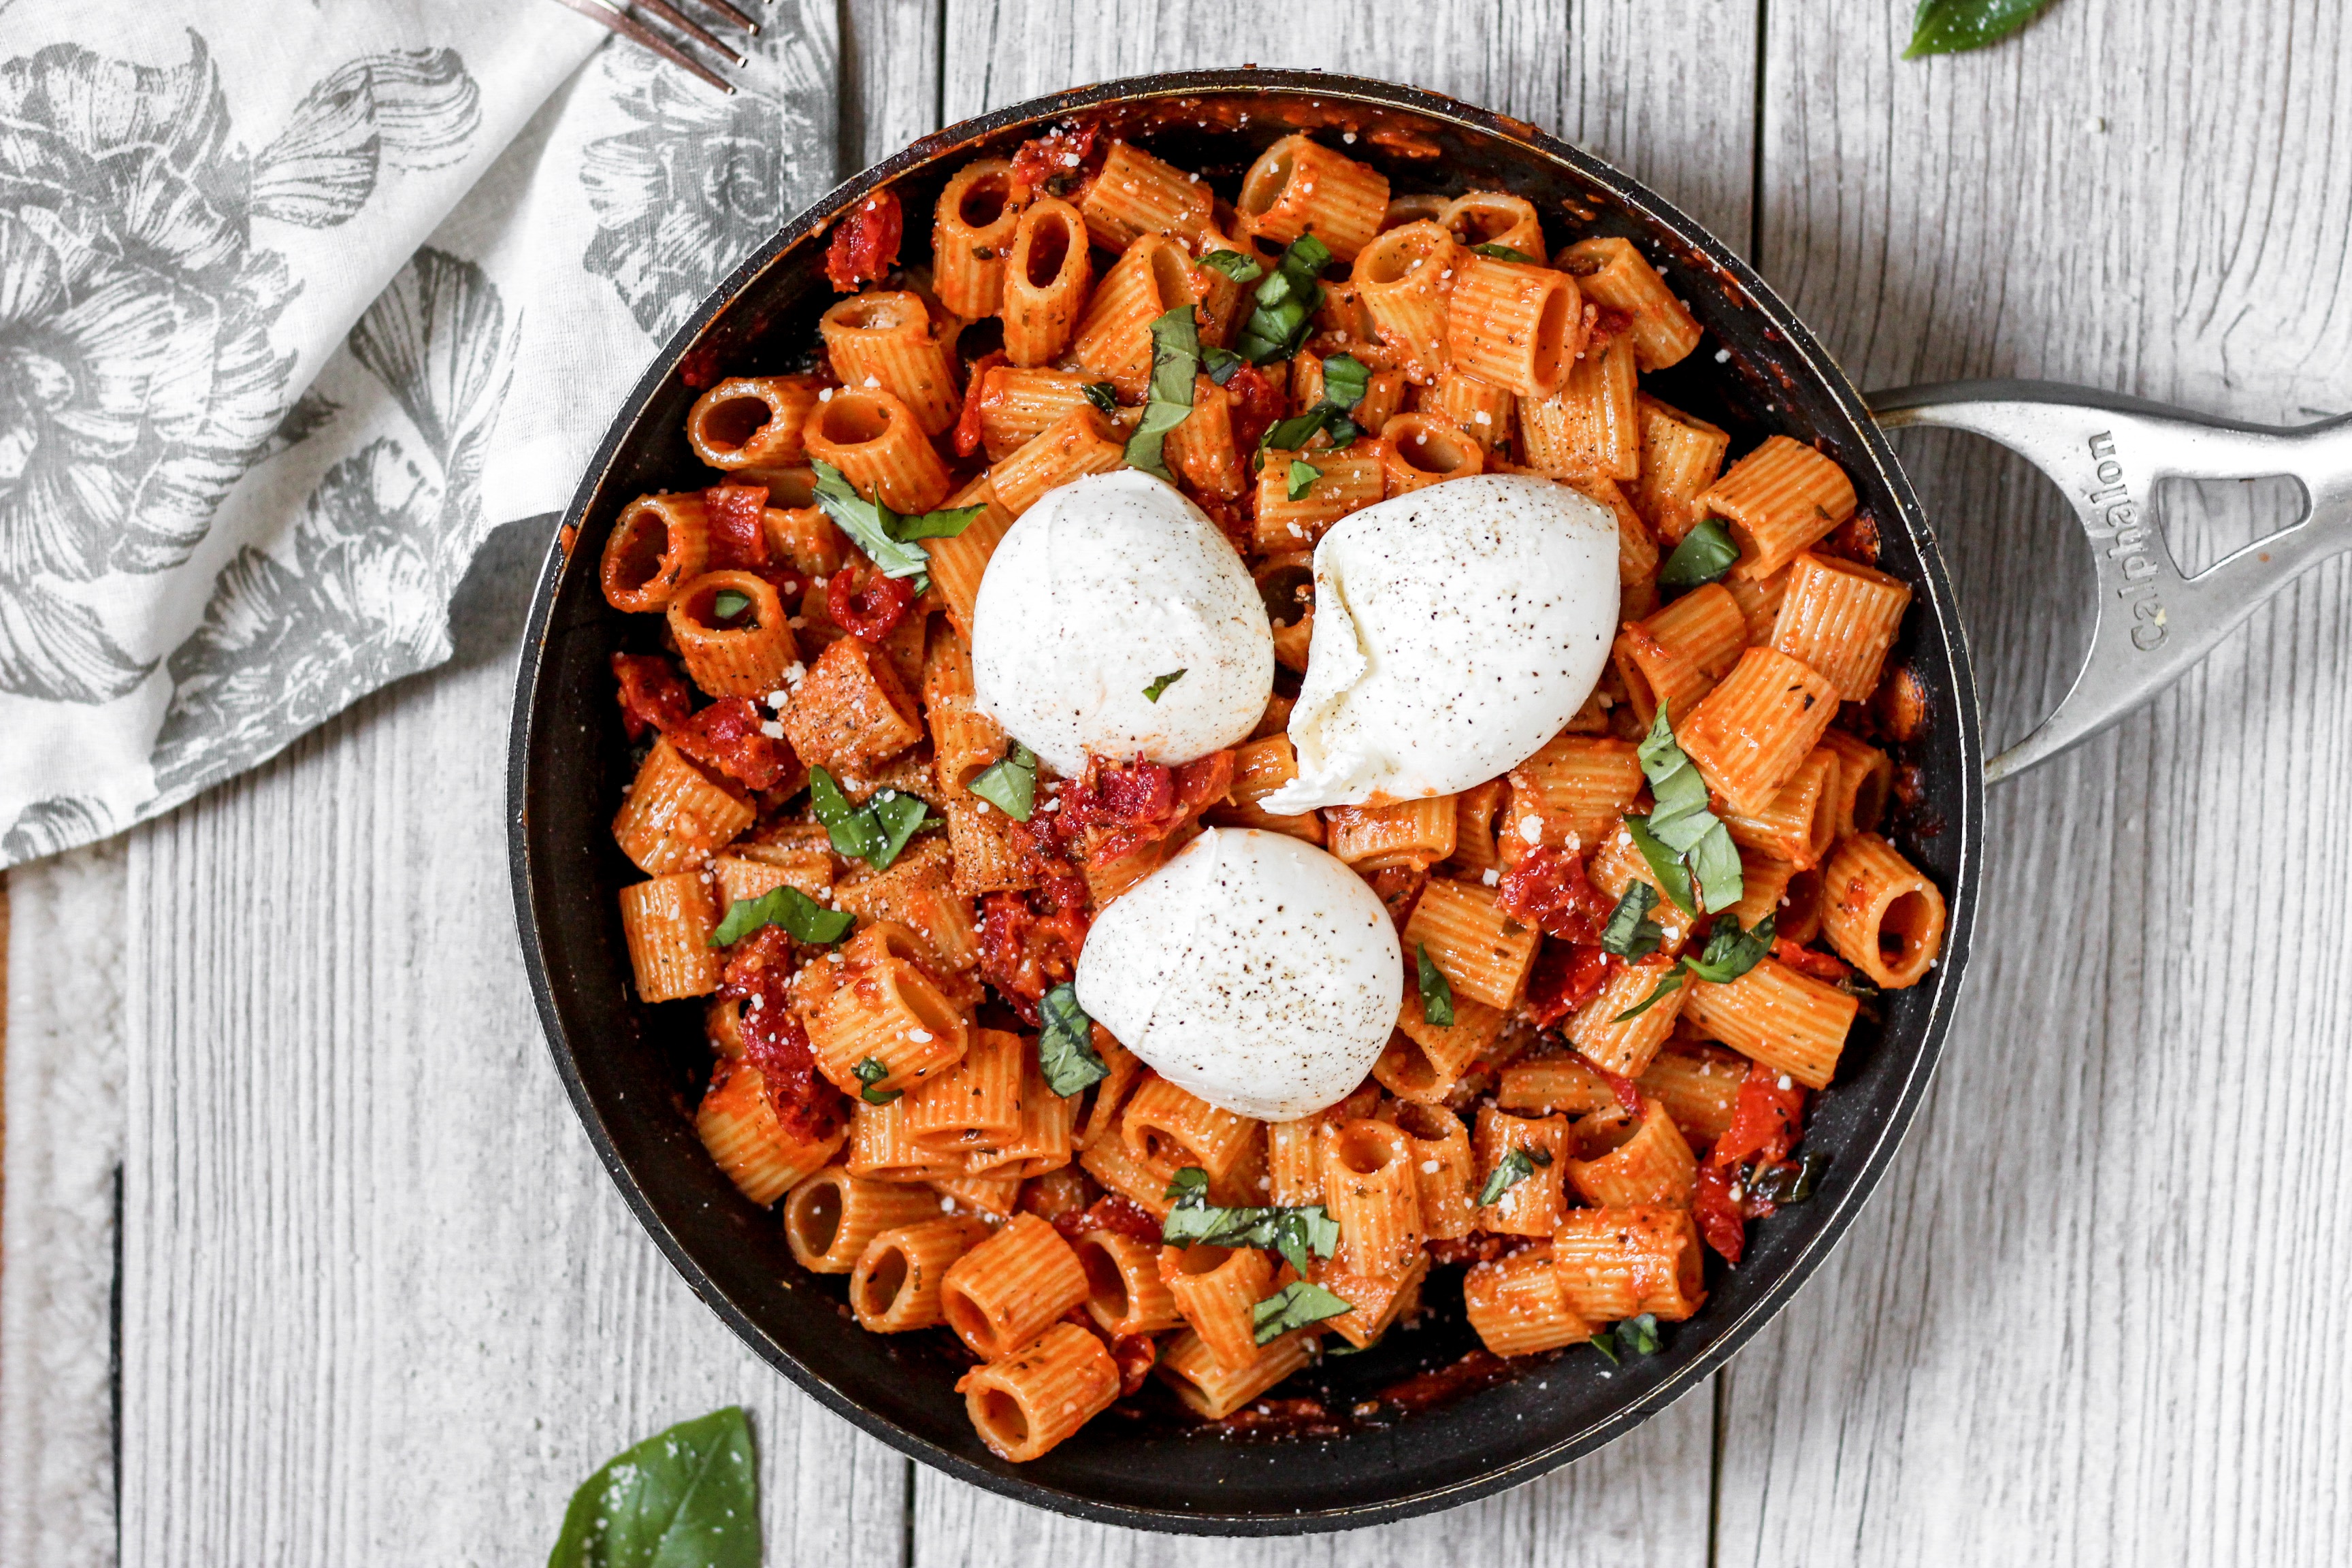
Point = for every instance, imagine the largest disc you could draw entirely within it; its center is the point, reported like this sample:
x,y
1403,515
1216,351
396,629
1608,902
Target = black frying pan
x,y
633,1070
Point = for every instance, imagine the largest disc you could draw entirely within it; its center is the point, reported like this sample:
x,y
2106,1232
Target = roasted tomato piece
x,y
727,735
1256,406
866,604
1064,163
653,695
977,396
1718,1215
1765,1120
865,245
1116,808
1567,975
758,970
1548,890
1826,966
1029,942
738,542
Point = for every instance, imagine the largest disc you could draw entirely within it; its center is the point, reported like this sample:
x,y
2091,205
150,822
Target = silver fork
x,y
619,16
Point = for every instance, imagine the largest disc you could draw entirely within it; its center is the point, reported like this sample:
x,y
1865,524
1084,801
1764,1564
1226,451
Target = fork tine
x,y
636,32
748,24
691,28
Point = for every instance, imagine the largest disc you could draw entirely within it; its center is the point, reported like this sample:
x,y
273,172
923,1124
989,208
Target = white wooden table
x,y
380,1305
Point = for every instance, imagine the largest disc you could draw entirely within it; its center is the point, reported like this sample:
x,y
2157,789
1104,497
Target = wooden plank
x,y
2086,1319
889,77
380,1301
1644,1499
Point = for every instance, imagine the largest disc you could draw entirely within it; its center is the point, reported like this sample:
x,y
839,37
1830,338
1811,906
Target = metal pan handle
x,y
2107,453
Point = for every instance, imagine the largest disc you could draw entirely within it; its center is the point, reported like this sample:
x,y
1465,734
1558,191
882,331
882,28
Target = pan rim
x,y
1964,816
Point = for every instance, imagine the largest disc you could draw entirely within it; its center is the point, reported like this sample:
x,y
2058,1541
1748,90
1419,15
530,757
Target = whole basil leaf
x,y
1009,783
1295,1306
686,1498
1066,1044
802,918
1705,555
1950,26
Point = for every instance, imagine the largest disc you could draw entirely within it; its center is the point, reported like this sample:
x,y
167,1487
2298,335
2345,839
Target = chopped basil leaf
x,y
1161,684
1683,828
1300,1233
1437,991
1234,265
1345,379
1175,361
945,523
690,1494
1343,432
1639,1336
1510,1171
1297,1305
870,1073
1504,253
802,918
1600,1342
1790,1181
1009,783
1285,303
1102,394
901,816
726,604
1066,1047
1730,951
1668,983
1714,865
875,832
1631,932
1705,555
871,525
1664,864
1947,27
1220,364
1303,475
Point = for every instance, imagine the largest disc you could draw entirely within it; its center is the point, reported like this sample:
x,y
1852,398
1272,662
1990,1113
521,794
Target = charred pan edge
x,y
1861,441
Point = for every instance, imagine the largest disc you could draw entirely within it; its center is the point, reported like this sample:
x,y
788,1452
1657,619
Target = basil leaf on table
x,y
687,1495
1705,555
802,918
1295,1306
1175,361
1951,27
1437,991
1009,783
1066,1044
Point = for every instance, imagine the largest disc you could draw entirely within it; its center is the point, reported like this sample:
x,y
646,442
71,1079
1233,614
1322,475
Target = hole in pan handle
x,y
2107,453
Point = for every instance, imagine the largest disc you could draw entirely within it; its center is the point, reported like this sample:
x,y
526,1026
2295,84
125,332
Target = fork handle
x,y
2107,453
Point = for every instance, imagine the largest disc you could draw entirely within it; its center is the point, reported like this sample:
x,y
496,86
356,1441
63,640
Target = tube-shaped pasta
x,y
1840,616
1294,1158
1424,1060
1518,1307
1762,882
1446,1171
881,1148
959,563
1040,1392
740,1129
1016,404
1656,675
1682,456
802,534
1616,1263
882,341
1798,824
1704,625
1413,206
1495,217
1151,277
1300,187
1613,273
880,1006
1167,1128
964,741
1880,913
1286,581
1214,1288
1625,1048
1345,481
1200,448
1569,794
1483,953
1046,281
851,711
830,1215
1211,1392
1791,1023
1137,193
1371,1187
894,1284
1778,499
1081,442
1127,1295
659,543
1041,1143
1757,727
971,236
1004,1292
1700,1086
1866,778
1101,1104
1800,907
1404,278
993,1197
1760,601
1474,831
1481,412
1419,449
752,421
1261,767
1530,1205
1618,864
1654,1165
742,655
1109,1162
675,816
975,1102
1590,425
1375,1299
667,923
1561,1085
919,893
1514,326
876,442
1416,834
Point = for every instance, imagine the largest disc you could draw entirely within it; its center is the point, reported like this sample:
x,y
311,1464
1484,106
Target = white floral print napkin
x,y
298,301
